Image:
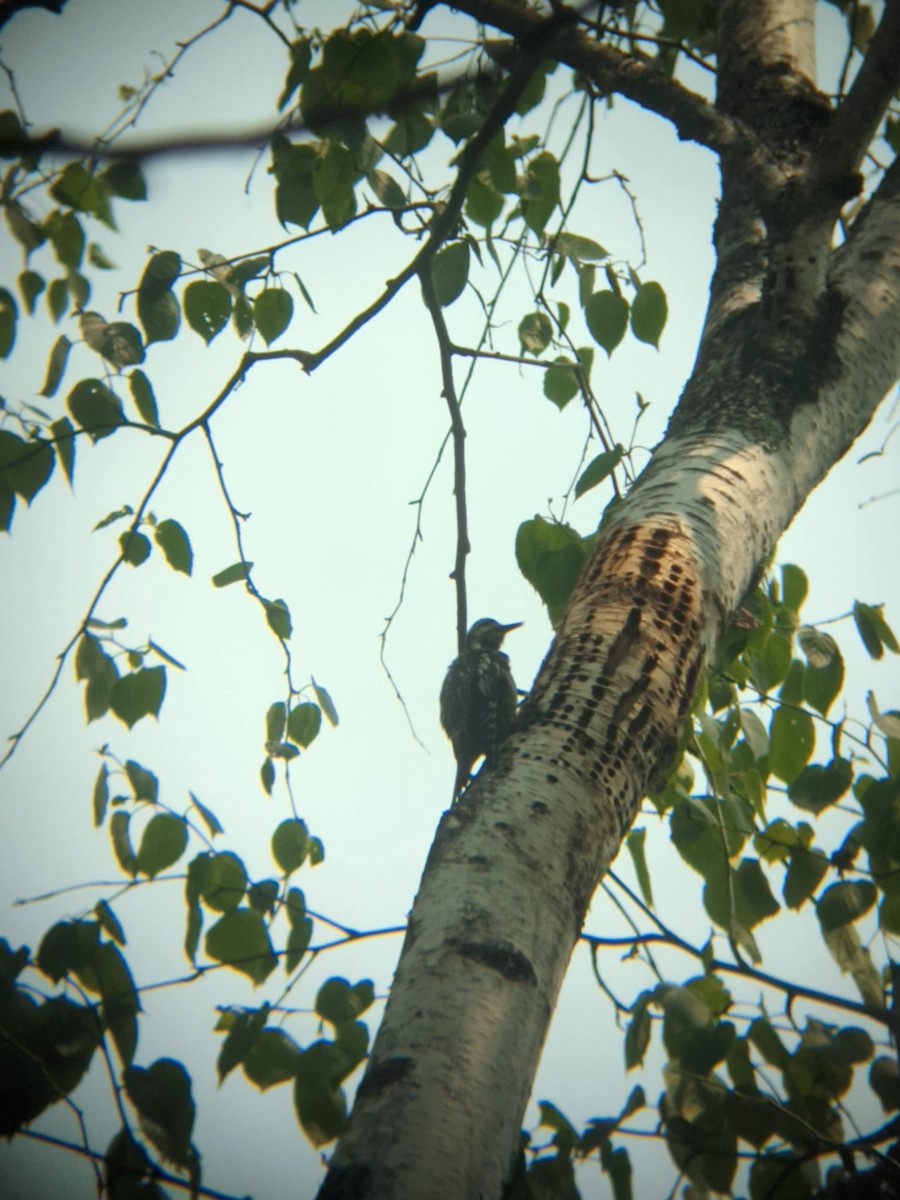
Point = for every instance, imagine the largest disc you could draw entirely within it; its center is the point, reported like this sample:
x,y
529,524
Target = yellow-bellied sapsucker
x,y
478,697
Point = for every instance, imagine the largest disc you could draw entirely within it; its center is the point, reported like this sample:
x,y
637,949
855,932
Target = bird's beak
x,y
515,625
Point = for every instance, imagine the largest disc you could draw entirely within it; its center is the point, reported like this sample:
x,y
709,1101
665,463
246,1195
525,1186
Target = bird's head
x,y
488,634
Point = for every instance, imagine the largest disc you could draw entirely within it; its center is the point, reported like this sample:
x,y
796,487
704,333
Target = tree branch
x,y
611,70
445,348
860,113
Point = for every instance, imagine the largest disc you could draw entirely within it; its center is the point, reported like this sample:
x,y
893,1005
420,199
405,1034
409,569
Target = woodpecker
x,y
478,697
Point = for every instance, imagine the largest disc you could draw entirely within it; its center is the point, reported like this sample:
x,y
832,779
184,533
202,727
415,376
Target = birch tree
x,y
656,613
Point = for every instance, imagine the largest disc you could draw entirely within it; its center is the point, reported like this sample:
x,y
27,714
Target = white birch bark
x,y
800,344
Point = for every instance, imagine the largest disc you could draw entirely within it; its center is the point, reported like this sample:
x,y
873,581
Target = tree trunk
x,y
800,344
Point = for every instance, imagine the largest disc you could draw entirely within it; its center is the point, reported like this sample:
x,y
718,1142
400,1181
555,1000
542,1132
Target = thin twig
x,y
458,433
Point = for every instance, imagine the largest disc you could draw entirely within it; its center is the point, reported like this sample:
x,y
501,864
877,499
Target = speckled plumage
x,y
478,698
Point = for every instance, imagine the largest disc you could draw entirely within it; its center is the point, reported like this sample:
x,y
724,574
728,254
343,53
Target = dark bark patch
x,y
500,957
384,1073
347,1183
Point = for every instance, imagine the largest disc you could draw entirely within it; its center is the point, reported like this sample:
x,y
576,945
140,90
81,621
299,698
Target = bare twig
x,y
458,433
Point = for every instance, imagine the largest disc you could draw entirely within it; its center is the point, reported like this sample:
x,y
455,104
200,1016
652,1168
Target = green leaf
x,y
26,466
109,922
209,818
135,547
81,189
301,54
241,941
164,840
298,939
352,1039
263,896
110,518
539,191
207,307
225,882
272,1059
535,333
806,870
57,298
292,166
56,365
110,977
606,315
411,133
599,469
31,284
139,694
121,841
326,704
449,272
822,683
27,232
333,179
78,288
844,903
854,958
290,843
100,673
267,776
64,443
874,629
242,272
637,1035
318,1099
7,505
236,573
279,618
125,179
175,545
635,843
884,1080
125,1161
11,131
158,309
272,312
551,557
337,1001
95,408
794,586
121,345
100,797
792,737
9,313
561,382
161,1093
67,238
144,399
817,788
243,1030
579,249
275,721
483,203
500,164
144,784
304,723
648,313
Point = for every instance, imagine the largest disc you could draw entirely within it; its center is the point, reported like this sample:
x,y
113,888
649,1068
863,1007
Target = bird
x,y
478,698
